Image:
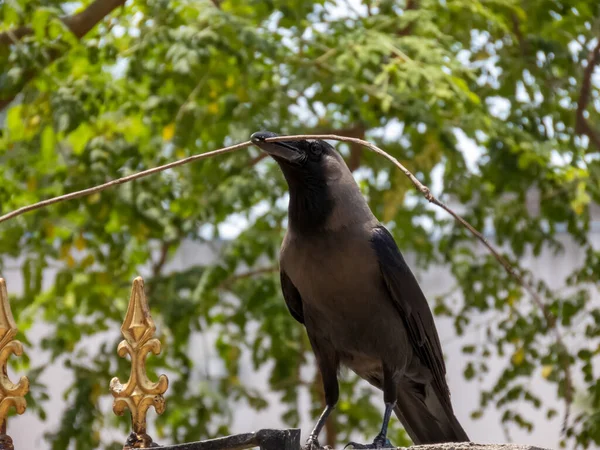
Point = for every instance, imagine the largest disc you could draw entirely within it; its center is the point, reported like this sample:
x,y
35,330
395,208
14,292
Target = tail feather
x,y
427,418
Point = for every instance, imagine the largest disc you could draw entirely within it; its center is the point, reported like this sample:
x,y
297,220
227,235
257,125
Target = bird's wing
x,y
292,297
411,304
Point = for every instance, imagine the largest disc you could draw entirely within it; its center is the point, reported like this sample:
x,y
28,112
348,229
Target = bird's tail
x,y
427,415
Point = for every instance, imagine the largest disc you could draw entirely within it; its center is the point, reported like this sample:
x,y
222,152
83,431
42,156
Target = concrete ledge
x,y
290,440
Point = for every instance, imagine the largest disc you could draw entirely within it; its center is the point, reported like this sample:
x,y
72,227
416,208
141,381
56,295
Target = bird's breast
x,y
344,298
336,272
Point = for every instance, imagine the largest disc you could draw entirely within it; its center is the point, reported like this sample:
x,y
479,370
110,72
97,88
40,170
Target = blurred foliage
x,y
163,79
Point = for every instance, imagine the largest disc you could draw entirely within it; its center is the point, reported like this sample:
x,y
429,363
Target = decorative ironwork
x,y
139,393
11,394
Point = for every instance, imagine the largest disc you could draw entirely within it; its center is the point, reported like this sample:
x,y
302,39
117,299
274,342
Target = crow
x,y
344,278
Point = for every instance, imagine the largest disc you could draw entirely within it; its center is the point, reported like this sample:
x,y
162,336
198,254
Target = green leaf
x,y
80,137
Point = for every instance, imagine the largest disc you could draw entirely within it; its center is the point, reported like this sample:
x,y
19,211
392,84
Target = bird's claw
x,y
380,442
313,444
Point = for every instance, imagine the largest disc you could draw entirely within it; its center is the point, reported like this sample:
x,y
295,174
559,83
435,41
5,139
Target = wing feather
x,y
412,305
292,297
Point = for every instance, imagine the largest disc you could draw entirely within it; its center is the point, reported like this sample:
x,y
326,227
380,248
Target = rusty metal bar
x,y
139,393
11,394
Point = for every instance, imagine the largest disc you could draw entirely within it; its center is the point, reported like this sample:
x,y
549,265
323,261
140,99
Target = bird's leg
x,y
328,364
381,440
313,443
389,397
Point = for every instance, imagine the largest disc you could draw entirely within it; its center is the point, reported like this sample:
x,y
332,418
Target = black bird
x,y
343,277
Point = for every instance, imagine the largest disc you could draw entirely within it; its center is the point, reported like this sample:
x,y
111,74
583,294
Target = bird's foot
x,y
380,442
312,443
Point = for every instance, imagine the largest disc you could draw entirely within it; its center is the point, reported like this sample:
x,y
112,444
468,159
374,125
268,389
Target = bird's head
x,y
323,193
303,160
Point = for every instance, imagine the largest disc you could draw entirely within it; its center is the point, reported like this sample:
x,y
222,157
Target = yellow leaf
x,y
31,184
578,208
49,230
430,153
87,261
34,121
96,392
103,278
70,260
168,132
230,81
142,231
518,357
94,198
180,153
213,108
104,212
79,242
546,371
65,250
242,94
345,406
581,200
393,198
69,300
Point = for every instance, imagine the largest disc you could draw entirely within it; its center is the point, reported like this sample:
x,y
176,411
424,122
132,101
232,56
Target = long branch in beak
x,y
284,150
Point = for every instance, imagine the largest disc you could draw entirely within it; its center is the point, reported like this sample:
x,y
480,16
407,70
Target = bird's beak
x,y
285,150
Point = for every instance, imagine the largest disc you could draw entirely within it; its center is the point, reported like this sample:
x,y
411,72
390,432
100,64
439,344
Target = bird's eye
x,y
315,149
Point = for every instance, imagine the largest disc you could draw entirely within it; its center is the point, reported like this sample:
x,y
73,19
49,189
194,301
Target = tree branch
x,y
581,124
240,276
516,23
162,259
79,24
135,176
410,5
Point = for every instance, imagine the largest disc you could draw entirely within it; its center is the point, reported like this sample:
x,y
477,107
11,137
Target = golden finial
x,y
139,393
10,394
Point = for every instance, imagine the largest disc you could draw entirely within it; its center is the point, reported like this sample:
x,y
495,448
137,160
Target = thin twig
x,y
548,315
118,181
